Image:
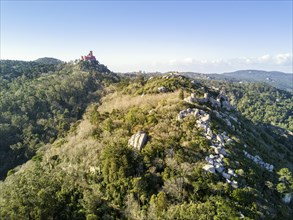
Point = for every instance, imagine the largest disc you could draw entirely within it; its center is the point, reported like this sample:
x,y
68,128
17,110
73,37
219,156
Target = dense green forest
x,y
259,102
77,121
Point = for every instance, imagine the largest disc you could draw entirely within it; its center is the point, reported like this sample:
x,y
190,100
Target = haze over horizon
x,y
197,36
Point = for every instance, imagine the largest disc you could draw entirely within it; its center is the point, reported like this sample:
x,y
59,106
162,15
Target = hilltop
x,y
48,60
159,147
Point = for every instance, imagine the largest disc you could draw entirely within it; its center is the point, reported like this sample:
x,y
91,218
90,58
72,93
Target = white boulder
x,y
162,89
138,140
209,168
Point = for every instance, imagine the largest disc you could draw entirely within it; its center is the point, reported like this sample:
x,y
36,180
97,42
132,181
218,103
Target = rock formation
x,y
138,140
256,159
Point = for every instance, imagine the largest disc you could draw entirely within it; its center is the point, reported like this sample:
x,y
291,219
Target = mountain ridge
x,y
277,79
138,148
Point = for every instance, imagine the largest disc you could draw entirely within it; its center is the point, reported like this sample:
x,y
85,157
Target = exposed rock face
x,y
232,172
138,140
256,159
173,75
220,168
220,101
220,138
215,163
193,96
189,99
222,151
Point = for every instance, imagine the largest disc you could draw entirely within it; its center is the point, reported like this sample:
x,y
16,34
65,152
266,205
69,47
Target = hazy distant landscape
x,y
146,110
279,80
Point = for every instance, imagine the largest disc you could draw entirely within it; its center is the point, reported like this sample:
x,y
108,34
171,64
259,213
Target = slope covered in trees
x,y
38,102
93,172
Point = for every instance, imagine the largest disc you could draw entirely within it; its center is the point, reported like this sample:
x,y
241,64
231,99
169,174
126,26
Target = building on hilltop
x,y
89,57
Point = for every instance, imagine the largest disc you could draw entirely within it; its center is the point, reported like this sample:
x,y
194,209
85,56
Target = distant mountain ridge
x,y
277,79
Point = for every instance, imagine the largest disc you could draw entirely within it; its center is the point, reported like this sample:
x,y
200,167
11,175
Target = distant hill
x,y
277,79
48,60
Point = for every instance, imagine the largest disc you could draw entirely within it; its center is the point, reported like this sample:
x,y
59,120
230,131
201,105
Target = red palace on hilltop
x,y
89,57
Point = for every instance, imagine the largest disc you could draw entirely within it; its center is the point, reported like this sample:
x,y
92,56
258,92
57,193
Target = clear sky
x,y
198,36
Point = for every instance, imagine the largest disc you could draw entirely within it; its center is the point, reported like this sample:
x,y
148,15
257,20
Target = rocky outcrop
x,y
191,99
203,119
138,140
226,118
215,161
209,168
162,89
220,101
172,75
256,159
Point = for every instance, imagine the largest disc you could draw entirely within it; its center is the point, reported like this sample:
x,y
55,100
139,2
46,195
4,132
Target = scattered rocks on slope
x,y
227,118
215,161
259,161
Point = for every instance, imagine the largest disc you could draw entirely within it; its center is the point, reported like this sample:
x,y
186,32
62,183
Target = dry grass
x,y
78,146
122,102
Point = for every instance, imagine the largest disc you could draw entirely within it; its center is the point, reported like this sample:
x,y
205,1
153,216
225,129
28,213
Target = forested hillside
x,y
39,102
259,102
164,147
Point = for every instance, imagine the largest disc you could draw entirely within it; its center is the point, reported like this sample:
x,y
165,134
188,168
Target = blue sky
x,y
199,36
